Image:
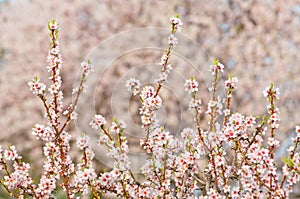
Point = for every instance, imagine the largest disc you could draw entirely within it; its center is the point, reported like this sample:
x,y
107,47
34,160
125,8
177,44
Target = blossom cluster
x,y
191,85
58,163
239,149
133,85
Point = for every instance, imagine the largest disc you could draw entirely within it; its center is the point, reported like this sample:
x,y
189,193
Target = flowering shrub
x,y
239,149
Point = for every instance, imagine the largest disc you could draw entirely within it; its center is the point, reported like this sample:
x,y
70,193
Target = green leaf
x,y
272,86
288,161
49,25
216,62
118,144
56,34
51,22
115,120
35,79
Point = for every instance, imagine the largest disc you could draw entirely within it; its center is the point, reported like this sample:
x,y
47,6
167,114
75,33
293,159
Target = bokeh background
x,y
257,40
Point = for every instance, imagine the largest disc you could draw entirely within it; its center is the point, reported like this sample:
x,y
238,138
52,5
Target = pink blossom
x,y
191,85
83,142
273,142
147,91
172,40
235,192
46,186
73,115
163,59
122,124
11,153
133,86
43,132
55,50
270,91
297,129
36,87
87,68
227,112
218,66
177,23
231,82
115,128
195,104
226,188
19,178
97,121
53,25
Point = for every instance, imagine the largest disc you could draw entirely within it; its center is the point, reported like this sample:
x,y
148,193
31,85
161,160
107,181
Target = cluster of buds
x,y
172,41
230,85
176,23
273,94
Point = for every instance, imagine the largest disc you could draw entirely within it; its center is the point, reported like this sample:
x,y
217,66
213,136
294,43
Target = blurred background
x,y
257,40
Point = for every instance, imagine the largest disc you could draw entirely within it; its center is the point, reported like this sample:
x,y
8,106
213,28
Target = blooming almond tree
x,y
239,149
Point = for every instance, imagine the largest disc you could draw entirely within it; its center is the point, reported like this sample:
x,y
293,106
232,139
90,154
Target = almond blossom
x,y
239,153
